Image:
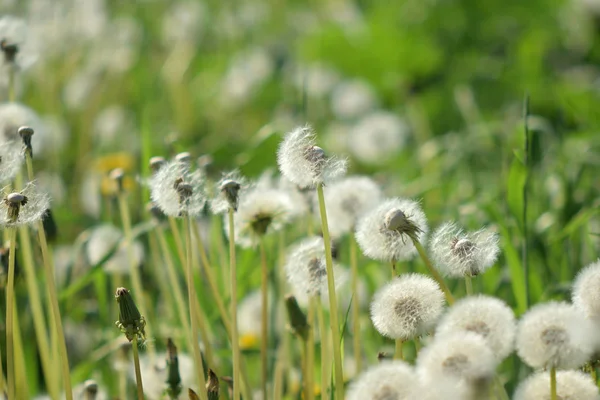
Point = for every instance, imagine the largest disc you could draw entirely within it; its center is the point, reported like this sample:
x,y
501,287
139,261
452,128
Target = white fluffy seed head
x,y
457,253
15,115
406,307
228,192
389,380
11,160
31,208
177,190
385,232
486,316
460,357
347,200
570,385
260,212
304,163
586,291
554,334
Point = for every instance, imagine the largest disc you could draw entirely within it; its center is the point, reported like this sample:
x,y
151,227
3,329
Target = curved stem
x,y
264,326
138,374
333,309
436,275
235,341
10,308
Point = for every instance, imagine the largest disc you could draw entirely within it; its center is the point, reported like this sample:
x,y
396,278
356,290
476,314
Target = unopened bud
x,y
173,377
26,133
212,386
131,322
156,163
298,321
231,190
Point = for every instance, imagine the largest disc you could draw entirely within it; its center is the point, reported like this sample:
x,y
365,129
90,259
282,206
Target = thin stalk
x,y
469,285
136,280
279,370
264,318
138,373
159,275
524,255
325,358
22,388
500,390
2,380
53,299
309,378
333,309
593,374
193,315
355,305
204,334
178,240
553,395
398,354
436,275
10,308
235,341
394,269
418,346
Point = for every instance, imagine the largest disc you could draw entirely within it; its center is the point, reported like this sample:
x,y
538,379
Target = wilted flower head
x,y
24,207
11,160
463,357
305,268
459,254
486,316
386,232
155,370
387,380
304,163
554,335
228,195
586,291
573,385
377,137
406,307
347,200
177,190
260,211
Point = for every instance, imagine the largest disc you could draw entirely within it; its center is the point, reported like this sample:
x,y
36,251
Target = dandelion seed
x,y
554,335
377,137
177,190
304,163
347,200
459,254
486,316
407,307
23,208
570,385
586,291
389,380
385,233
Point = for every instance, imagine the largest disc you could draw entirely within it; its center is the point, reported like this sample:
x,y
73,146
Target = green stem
x,y
355,305
325,359
309,378
333,309
235,341
436,275
264,325
553,394
500,390
138,374
469,285
394,274
22,386
177,239
418,346
398,354
10,308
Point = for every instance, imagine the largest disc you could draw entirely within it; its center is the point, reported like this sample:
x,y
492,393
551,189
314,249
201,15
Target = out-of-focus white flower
x,y
249,314
555,335
316,80
55,136
347,200
177,190
18,51
53,184
586,291
245,76
377,137
15,115
11,160
23,208
388,380
352,99
407,307
486,316
114,125
80,86
106,243
459,254
385,233
183,22
154,375
304,163
569,385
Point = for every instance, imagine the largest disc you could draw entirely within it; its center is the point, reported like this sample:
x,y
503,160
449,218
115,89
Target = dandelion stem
x,y
553,395
264,326
335,327
393,269
469,285
325,359
20,367
398,354
436,275
235,341
501,391
177,239
138,374
309,378
418,346
10,298
193,315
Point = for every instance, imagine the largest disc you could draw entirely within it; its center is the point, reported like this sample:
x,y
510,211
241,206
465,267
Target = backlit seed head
x,y
389,380
570,385
24,207
407,307
555,335
586,291
228,197
26,133
183,157
177,190
156,163
386,233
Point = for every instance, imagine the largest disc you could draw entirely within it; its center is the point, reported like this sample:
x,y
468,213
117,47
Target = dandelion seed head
x,y
25,207
304,163
458,254
15,115
11,160
228,196
15,44
389,380
407,307
377,137
486,316
177,190
554,335
586,291
352,99
347,200
385,232
570,385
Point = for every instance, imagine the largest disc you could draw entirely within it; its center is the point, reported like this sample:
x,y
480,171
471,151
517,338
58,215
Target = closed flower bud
x,y
173,378
212,386
130,321
298,323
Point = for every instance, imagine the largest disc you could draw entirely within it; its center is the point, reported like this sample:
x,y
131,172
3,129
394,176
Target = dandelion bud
x,y
569,385
118,176
90,389
387,380
50,226
130,322
386,233
26,133
406,307
212,386
156,163
192,395
555,335
586,291
228,197
183,157
173,377
298,322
